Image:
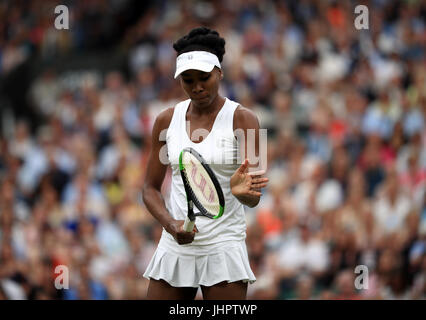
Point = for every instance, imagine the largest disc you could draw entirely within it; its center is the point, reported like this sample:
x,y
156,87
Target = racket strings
x,y
201,185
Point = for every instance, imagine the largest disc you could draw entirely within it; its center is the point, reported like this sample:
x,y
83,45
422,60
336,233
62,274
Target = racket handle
x,y
188,226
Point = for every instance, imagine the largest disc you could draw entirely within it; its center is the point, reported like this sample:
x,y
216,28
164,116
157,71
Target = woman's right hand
x,y
175,228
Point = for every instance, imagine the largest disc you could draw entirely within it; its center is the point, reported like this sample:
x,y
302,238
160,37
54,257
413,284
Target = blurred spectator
x,y
300,251
344,286
391,207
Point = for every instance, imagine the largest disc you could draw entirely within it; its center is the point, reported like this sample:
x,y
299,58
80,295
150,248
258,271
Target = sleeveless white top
x,y
220,150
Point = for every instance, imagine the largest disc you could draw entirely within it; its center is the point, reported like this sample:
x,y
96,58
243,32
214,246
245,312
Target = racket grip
x,y
188,225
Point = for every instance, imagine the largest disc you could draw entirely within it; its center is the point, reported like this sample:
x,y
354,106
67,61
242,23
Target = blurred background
x,y
344,108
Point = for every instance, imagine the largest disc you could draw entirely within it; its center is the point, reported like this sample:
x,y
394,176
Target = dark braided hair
x,y
201,39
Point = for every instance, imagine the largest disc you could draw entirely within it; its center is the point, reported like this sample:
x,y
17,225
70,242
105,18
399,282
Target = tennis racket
x,y
201,186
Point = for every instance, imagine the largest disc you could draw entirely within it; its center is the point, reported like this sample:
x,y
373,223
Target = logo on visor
x,y
190,57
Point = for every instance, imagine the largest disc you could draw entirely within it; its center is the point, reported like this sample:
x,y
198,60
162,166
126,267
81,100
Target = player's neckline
x,y
213,126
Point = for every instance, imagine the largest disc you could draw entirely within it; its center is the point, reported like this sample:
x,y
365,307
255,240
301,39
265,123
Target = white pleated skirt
x,y
194,265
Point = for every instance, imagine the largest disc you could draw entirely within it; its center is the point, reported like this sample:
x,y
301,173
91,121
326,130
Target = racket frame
x,y
190,196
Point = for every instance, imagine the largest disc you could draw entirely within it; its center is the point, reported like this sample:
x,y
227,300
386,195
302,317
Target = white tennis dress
x,y
218,252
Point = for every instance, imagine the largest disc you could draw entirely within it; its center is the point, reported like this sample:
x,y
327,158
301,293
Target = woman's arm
x,y
246,184
155,172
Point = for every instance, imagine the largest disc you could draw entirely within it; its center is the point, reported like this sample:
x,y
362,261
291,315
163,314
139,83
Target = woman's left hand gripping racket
x,y
201,186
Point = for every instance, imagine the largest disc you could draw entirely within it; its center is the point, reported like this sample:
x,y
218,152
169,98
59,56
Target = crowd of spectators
x,y
345,112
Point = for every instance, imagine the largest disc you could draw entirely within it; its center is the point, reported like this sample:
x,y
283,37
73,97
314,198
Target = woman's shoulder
x,y
244,116
240,110
164,118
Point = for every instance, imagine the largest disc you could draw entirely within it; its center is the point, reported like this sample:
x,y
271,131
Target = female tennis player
x,y
214,255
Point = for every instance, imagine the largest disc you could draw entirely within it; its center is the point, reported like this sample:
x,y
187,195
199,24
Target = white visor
x,y
198,60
